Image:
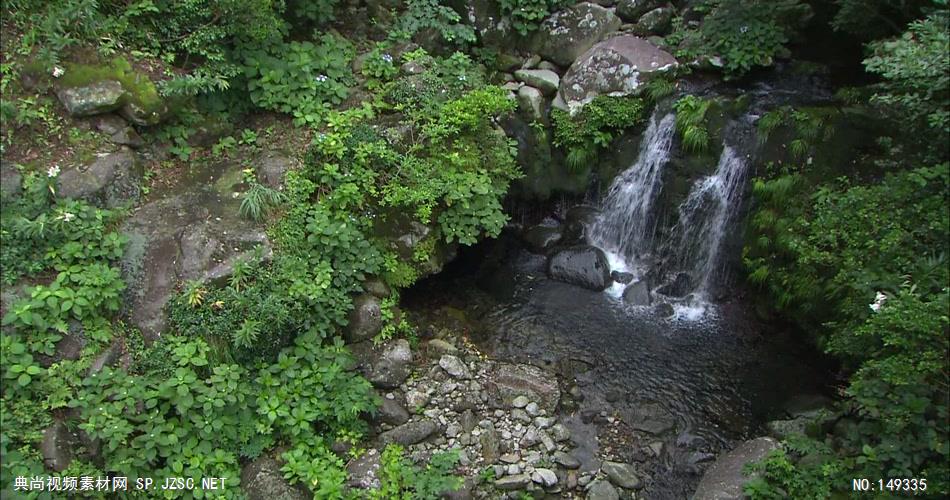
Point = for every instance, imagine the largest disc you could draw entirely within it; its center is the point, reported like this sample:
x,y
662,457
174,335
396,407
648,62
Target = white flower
x,y
461,78
879,301
388,58
53,171
58,71
67,216
744,29
321,78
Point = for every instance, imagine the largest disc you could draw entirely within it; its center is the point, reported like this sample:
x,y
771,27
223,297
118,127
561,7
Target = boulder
x,y
409,433
392,412
491,446
664,310
577,220
681,285
621,277
11,182
637,294
142,116
655,22
93,99
631,10
617,66
57,447
782,429
566,460
110,181
544,477
544,80
454,367
581,265
513,482
620,474
531,103
365,320
541,239
363,472
600,489
725,478
567,34
392,368
377,288
508,381
262,479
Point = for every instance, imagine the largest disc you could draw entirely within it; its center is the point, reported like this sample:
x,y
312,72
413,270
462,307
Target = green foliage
x,y
691,122
809,127
258,200
316,12
872,19
400,480
743,33
595,126
423,15
526,15
300,78
916,85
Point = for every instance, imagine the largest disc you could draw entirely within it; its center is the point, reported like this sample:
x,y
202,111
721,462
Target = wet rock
x,y
617,66
531,103
513,482
392,412
542,239
631,10
577,220
581,265
544,80
782,429
365,320
263,480
600,489
725,478
621,277
655,426
392,368
807,405
567,34
620,474
57,447
454,367
681,285
111,180
544,477
92,99
637,294
363,472
410,433
566,460
664,310
507,381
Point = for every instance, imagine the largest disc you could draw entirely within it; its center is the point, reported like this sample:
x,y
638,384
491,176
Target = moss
x,y
138,87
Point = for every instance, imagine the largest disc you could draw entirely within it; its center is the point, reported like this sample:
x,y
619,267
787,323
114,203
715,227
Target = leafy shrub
x,y
432,15
299,78
595,126
526,15
401,480
258,200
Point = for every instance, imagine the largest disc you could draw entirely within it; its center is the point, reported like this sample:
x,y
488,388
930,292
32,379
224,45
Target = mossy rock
x,y
140,102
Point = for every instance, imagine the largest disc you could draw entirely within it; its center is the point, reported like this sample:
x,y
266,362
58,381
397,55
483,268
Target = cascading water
x,y
624,229
705,219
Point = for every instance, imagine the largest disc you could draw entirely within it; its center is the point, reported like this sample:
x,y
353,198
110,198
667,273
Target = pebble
x,y
520,402
510,458
520,415
514,469
532,409
545,477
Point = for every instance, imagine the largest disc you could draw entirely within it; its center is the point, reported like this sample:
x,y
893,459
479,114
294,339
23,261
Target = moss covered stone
x,y
133,93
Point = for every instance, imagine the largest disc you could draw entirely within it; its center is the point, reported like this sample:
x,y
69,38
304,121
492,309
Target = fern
x,y
659,88
578,158
695,139
691,122
247,334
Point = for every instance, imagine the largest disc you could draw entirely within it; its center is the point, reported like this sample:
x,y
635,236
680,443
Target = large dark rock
x,y
621,474
93,99
392,368
263,480
109,181
725,478
655,22
507,381
57,447
541,239
637,294
631,10
365,320
567,34
621,277
577,220
581,265
681,285
601,489
617,66
193,232
392,412
410,433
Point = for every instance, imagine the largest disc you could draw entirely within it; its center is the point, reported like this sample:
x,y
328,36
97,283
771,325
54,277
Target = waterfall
x,y
624,229
705,219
